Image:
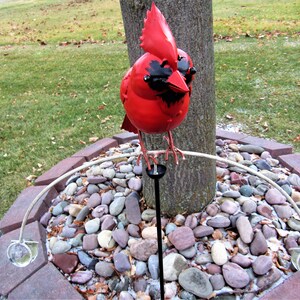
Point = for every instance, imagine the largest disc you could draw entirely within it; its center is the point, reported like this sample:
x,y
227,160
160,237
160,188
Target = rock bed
x,y
102,236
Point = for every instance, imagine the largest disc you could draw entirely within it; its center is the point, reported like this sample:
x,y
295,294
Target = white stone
x,y
173,263
151,233
105,239
219,254
92,226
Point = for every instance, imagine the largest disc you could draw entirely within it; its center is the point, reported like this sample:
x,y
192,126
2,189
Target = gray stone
x,y
174,264
212,210
148,214
170,227
241,260
251,149
189,252
59,208
217,281
94,200
263,164
218,222
294,180
100,211
273,196
246,190
109,173
68,232
92,225
121,237
135,183
245,229
107,197
140,285
249,206
191,221
232,194
235,276
121,182
269,232
82,214
267,280
294,224
116,207
140,268
90,242
88,261
262,264
196,282
92,188
284,211
121,262
202,259
153,266
133,230
104,269
259,244
124,295
70,189
229,206
60,247
108,223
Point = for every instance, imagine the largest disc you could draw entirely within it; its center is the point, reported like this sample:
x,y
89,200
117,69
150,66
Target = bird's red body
x,y
156,91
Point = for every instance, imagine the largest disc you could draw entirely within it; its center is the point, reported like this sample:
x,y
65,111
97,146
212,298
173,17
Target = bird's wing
x,y
127,125
157,37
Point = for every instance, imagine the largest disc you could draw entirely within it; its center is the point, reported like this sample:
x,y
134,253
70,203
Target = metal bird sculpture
x,y
156,90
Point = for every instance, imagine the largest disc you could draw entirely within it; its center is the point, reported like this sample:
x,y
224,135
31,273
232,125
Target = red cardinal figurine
x,y
156,91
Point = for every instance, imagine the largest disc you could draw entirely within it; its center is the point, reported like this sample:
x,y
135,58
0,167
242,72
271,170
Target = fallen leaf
x,y
93,139
82,142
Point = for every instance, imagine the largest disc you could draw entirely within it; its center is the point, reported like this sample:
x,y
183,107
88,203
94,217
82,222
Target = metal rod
x,y
159,238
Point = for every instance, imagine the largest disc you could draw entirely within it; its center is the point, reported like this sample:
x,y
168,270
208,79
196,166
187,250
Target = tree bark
x,y
189,186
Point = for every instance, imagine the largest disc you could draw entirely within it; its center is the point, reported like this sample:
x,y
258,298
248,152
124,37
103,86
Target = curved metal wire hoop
x,y
187,153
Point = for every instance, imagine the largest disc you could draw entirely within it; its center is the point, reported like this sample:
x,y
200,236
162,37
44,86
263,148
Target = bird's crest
x,y
157,37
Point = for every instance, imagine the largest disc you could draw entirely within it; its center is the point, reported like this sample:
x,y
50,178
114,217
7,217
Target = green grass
x,y
53,98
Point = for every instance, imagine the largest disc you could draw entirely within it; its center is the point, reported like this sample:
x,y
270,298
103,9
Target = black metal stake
x,y
157,172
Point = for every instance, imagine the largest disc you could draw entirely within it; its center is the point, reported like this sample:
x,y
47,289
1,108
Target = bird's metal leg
x,y
145,154
172,148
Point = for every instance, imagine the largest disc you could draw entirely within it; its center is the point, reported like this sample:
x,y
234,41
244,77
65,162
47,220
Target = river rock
x,y
273,196
70,189
148,214
174,264
259,244
245,229
121,236
107,197
94,200
151,233
100,211
241,260
196,282
59,208
262,264
132,207
135,183
284,211
83,213
265,281
60,247
249,206
116,207
105,239
88,261
81,277
218,253
189,252
108,222
294,180
141,250
202,230
235,276
153,266
229,206
251,149
92,226
121,262
140,268
90,242
182,238
212,209
104,269
217,281
109,173
66,262
218,222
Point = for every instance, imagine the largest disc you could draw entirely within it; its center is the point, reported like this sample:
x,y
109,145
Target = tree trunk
x,y
189,186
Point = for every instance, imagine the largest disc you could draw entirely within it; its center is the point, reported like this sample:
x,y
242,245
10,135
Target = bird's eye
x,y
180,58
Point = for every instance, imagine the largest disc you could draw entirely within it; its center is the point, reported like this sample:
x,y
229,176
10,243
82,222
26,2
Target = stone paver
x,y
273,147
47,283
229,135
10,275
95,149
288,290
291,161
14,216
59,169
125,137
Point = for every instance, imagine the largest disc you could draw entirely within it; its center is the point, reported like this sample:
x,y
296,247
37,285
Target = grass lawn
x,y
62,62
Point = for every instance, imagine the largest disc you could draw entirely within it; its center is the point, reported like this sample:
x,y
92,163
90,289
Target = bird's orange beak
x,y
177,83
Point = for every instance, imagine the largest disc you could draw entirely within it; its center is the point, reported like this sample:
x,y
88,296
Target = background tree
x,y
189,186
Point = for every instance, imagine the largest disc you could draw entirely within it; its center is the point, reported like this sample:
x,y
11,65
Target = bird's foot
x,y
174,150
147,157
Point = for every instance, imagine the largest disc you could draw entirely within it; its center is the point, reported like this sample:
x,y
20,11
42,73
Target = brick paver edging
x,y
41,280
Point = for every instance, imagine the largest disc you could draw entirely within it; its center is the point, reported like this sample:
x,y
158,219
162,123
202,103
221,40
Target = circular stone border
x,y
41,280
